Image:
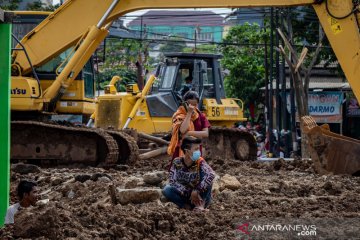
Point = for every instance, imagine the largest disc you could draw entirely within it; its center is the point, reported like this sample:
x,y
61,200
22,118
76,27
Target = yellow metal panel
x,y
162,124
344,38
25,104
75,91
113,108
73,101
75,107
228,110
108,112
24,87
23,94
142,120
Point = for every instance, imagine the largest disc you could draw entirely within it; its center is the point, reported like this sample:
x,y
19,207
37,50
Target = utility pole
x,y
195,40
5,46
283,85
266,84
271,76
197,31
277,63
140,78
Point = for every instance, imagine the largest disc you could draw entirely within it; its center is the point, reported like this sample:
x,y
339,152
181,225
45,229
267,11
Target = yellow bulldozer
x,y
49,77
150,110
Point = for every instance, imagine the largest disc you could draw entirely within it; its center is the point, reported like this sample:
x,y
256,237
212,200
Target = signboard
x,y
324,107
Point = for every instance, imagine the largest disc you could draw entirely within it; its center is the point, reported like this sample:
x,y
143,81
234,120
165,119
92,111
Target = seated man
x,y
187,86
27,194
191,178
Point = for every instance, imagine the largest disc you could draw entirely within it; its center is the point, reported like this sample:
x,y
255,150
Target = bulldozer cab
x,y
188,71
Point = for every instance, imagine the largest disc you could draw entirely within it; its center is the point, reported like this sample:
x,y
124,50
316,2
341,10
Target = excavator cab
x,y
206,79
203,70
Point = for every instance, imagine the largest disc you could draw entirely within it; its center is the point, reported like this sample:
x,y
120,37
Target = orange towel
x,y
177,120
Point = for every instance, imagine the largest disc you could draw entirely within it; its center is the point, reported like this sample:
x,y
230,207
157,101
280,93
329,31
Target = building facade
x,y
205,26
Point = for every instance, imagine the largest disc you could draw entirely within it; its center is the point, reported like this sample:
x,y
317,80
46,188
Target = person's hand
x,y
195,198
191,109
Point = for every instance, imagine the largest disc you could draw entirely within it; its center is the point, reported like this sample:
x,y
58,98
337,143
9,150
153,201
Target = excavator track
x,y
230,143
128,148
53,144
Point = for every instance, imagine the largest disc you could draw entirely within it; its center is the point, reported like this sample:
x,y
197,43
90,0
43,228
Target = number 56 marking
x,y
215,111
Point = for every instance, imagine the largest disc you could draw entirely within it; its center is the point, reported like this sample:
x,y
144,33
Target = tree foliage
x,y
174,44
127,76
243,57
39,6
306,31
203,48
120,58
34,6
9,5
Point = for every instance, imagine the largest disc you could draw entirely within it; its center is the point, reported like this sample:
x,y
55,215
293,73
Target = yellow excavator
x,y
76,29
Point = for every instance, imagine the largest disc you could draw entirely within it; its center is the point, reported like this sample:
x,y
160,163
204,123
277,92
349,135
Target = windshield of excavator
x,y
168,77
53,65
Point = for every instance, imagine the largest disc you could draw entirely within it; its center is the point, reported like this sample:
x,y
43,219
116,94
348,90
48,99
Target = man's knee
x,y
168,191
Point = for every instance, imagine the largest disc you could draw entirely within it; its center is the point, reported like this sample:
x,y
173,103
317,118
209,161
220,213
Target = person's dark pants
x,y
173,195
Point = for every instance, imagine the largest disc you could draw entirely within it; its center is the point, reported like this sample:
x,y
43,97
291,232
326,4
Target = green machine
x,y
5,51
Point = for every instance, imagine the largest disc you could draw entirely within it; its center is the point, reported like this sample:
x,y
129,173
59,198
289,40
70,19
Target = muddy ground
x,y
80,206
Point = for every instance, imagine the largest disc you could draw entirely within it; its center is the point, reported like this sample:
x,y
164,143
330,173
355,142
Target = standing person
x,y
190,179
187,121
27,194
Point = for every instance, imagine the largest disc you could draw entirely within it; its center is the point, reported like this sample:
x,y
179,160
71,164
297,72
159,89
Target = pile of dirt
x,y
79,205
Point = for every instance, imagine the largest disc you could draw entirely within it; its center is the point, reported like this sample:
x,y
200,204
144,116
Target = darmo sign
x,y
325,103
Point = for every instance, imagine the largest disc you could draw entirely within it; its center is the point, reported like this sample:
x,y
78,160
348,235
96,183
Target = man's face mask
x,y
188,85
196,155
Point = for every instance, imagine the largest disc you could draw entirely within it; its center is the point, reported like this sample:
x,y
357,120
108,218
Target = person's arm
x,y
207,179
186,123
9,217
173,181
205,124
199,134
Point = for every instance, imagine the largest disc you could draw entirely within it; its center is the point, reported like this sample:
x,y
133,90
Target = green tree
x,y
243,56
9,5
306,31
120,58
203,48
127,76
39,6
173,44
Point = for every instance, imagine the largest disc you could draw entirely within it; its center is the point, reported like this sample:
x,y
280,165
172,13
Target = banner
x,y
325,103
324,107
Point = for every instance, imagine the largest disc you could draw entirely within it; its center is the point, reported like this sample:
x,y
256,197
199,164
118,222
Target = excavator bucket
x,y
331,152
